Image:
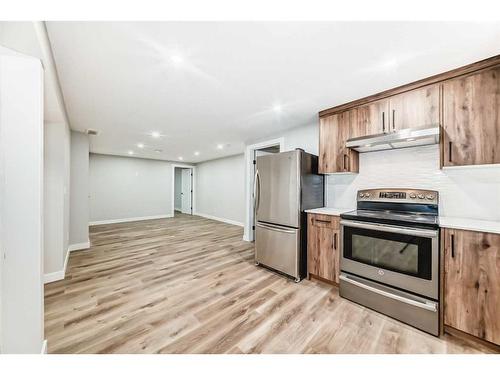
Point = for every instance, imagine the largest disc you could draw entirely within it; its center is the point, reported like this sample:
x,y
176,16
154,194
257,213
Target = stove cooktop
x,y
393,217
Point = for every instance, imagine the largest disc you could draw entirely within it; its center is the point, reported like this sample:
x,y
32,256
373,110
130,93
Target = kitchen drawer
x,y
325,221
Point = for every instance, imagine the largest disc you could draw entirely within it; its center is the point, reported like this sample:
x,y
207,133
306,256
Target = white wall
x,y
178,189
220,189
79,190
125,188
21,203
470,192
305,137
56,198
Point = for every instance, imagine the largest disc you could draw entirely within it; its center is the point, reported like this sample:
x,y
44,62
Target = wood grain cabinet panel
x,y
414,109
323,253
472,283
471,119
334,131
327,140
373,118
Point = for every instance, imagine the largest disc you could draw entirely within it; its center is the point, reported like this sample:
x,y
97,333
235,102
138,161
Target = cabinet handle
x,y
393,119
383,122
449,151
335,241
344,156
453,246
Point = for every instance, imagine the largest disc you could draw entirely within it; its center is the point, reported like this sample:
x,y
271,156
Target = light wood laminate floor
x,y
189,285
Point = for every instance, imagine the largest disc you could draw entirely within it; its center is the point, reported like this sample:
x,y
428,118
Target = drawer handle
x,y
322,221
276,229
431,306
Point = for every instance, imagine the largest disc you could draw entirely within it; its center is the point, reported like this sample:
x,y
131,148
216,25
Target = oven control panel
x,y
399,196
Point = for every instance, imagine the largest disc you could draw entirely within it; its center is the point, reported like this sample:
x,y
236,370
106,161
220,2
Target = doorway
x,y
183,189
251,154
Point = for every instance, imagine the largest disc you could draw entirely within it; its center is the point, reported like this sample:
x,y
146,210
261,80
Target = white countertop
x,y
444,221
329,211
469,224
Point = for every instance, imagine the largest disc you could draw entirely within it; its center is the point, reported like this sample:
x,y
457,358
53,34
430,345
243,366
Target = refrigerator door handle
x,y
256,191
276,228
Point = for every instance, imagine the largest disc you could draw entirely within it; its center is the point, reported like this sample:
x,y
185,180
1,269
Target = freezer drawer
x,y
278,247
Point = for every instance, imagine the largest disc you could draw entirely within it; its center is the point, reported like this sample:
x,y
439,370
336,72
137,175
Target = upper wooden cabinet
x,y
334,131
373,118
414,109
472,283
464,102
471,119
323,252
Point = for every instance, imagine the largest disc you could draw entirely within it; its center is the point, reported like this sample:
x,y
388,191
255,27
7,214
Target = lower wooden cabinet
x,y
472,283
323,252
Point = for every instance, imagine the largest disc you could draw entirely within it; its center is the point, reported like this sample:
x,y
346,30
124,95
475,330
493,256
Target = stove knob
x,y
367,195
413,196
420,196
430,197
361,195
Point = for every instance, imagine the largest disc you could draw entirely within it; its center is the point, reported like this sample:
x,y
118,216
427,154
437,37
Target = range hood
x,y
400,139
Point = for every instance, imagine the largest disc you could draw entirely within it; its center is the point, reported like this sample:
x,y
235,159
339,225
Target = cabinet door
x,y
334,131
373,118
471,119
414,109
323,247
327,140
472,283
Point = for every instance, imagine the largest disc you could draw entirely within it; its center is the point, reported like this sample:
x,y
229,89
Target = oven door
x,y
402,257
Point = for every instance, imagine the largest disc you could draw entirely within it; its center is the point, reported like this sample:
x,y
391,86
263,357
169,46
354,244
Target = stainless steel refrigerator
x,y
286,184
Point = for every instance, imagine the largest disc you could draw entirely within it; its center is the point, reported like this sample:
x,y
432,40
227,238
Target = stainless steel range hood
x,y
400,139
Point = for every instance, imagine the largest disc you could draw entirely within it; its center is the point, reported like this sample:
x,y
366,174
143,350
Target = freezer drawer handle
x,y
431,306
277,229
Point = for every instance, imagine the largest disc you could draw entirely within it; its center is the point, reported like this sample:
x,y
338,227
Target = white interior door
x,y
186,192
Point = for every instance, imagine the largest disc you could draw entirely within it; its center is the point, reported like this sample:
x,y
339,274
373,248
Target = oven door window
x,y
410,255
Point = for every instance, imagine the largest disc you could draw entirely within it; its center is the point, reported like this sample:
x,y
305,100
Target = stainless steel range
x,y
390,255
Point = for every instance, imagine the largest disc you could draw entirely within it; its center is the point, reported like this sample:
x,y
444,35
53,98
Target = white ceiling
x,y
123,79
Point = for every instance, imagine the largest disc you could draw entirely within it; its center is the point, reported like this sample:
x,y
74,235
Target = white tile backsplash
x,y
468,192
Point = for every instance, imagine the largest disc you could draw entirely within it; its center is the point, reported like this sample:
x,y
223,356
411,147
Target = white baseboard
x,y
53,276
114,221
58,275
227,221
44,347
79,246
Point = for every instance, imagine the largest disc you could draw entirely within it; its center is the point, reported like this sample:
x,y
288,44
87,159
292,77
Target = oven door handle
x,y
431,306
390,228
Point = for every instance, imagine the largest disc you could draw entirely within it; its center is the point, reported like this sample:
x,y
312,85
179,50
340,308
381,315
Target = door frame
x,y
193,187
248,234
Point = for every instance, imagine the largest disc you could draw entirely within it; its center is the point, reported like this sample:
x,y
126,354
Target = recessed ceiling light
x,y
390,64
155,134
181,158
158,150
131,152
196,153
220,146
140,145
277,108
176,59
